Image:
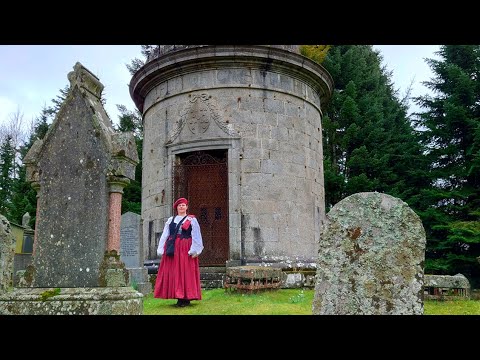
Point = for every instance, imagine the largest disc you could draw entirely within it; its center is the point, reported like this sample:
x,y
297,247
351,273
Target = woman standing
x,y
179,275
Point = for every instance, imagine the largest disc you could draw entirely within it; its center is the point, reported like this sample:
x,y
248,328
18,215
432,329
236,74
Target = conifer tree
x,y
450,131
24,197
132,194
369,143
135,64
7,157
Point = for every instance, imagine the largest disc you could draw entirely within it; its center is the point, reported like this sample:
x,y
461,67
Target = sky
x,y
32,75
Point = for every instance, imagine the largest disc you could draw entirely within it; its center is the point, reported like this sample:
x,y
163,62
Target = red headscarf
x,y
180,201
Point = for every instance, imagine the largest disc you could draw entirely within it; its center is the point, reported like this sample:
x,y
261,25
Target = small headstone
x,y
7,251
371,258
131,252
130,240
26,220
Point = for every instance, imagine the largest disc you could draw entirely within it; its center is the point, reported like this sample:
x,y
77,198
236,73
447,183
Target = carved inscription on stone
x,y
129,246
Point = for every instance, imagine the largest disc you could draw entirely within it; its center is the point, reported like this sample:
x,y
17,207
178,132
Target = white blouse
x,y
197,242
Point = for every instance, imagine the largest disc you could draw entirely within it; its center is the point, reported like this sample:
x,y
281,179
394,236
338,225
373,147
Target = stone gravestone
x,y
7,251
131,252
79,170
24,258
371,258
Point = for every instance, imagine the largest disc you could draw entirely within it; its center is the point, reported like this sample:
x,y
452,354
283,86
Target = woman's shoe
x,y
183,302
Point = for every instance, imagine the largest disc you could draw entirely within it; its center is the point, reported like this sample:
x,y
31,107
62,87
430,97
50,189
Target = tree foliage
x,y
449,128
136,63
315,52
7,158
369,143
132,194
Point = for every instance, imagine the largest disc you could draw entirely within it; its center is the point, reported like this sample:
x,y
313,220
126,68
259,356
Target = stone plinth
x,y
72,301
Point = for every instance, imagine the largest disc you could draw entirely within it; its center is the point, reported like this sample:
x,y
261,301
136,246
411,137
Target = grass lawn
x,y
277,302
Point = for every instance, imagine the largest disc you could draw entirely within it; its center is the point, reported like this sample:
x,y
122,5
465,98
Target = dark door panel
x,y
202,177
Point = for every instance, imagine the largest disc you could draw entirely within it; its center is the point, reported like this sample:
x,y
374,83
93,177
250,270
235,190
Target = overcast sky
x,y
32,75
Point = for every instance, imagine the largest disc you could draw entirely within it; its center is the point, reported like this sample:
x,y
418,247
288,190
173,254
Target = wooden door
x,y
202,178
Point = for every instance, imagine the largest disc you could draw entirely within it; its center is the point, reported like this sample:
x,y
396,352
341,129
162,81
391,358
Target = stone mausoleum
x,y
238,131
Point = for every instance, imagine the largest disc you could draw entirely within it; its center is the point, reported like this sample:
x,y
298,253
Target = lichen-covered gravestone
x,y
371,258
79,170
7,251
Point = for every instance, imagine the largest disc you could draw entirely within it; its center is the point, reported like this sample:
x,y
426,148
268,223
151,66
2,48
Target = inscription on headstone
x,y
131,252
130,240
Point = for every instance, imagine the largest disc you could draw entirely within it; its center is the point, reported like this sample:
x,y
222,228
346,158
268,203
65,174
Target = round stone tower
x,y
237,130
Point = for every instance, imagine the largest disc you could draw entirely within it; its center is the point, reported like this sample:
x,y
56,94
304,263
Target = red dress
x,y
178,276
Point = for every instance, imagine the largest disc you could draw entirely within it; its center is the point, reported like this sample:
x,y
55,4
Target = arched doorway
x,y
202,177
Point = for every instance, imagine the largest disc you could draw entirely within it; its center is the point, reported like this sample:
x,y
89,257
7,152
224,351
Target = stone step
x,y
211,284
212,276
212,269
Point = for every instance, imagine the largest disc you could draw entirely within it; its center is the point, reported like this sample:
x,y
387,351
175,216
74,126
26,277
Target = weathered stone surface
x,y
130,244
73,167
254,272
445,287
131,252
20,264
252,278
262,107
164,49
26,220
124,155
301,279
371,258
447,281
79,170
73,204
7,251
72,301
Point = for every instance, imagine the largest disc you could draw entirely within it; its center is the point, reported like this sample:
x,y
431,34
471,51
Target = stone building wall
x,y
264,106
